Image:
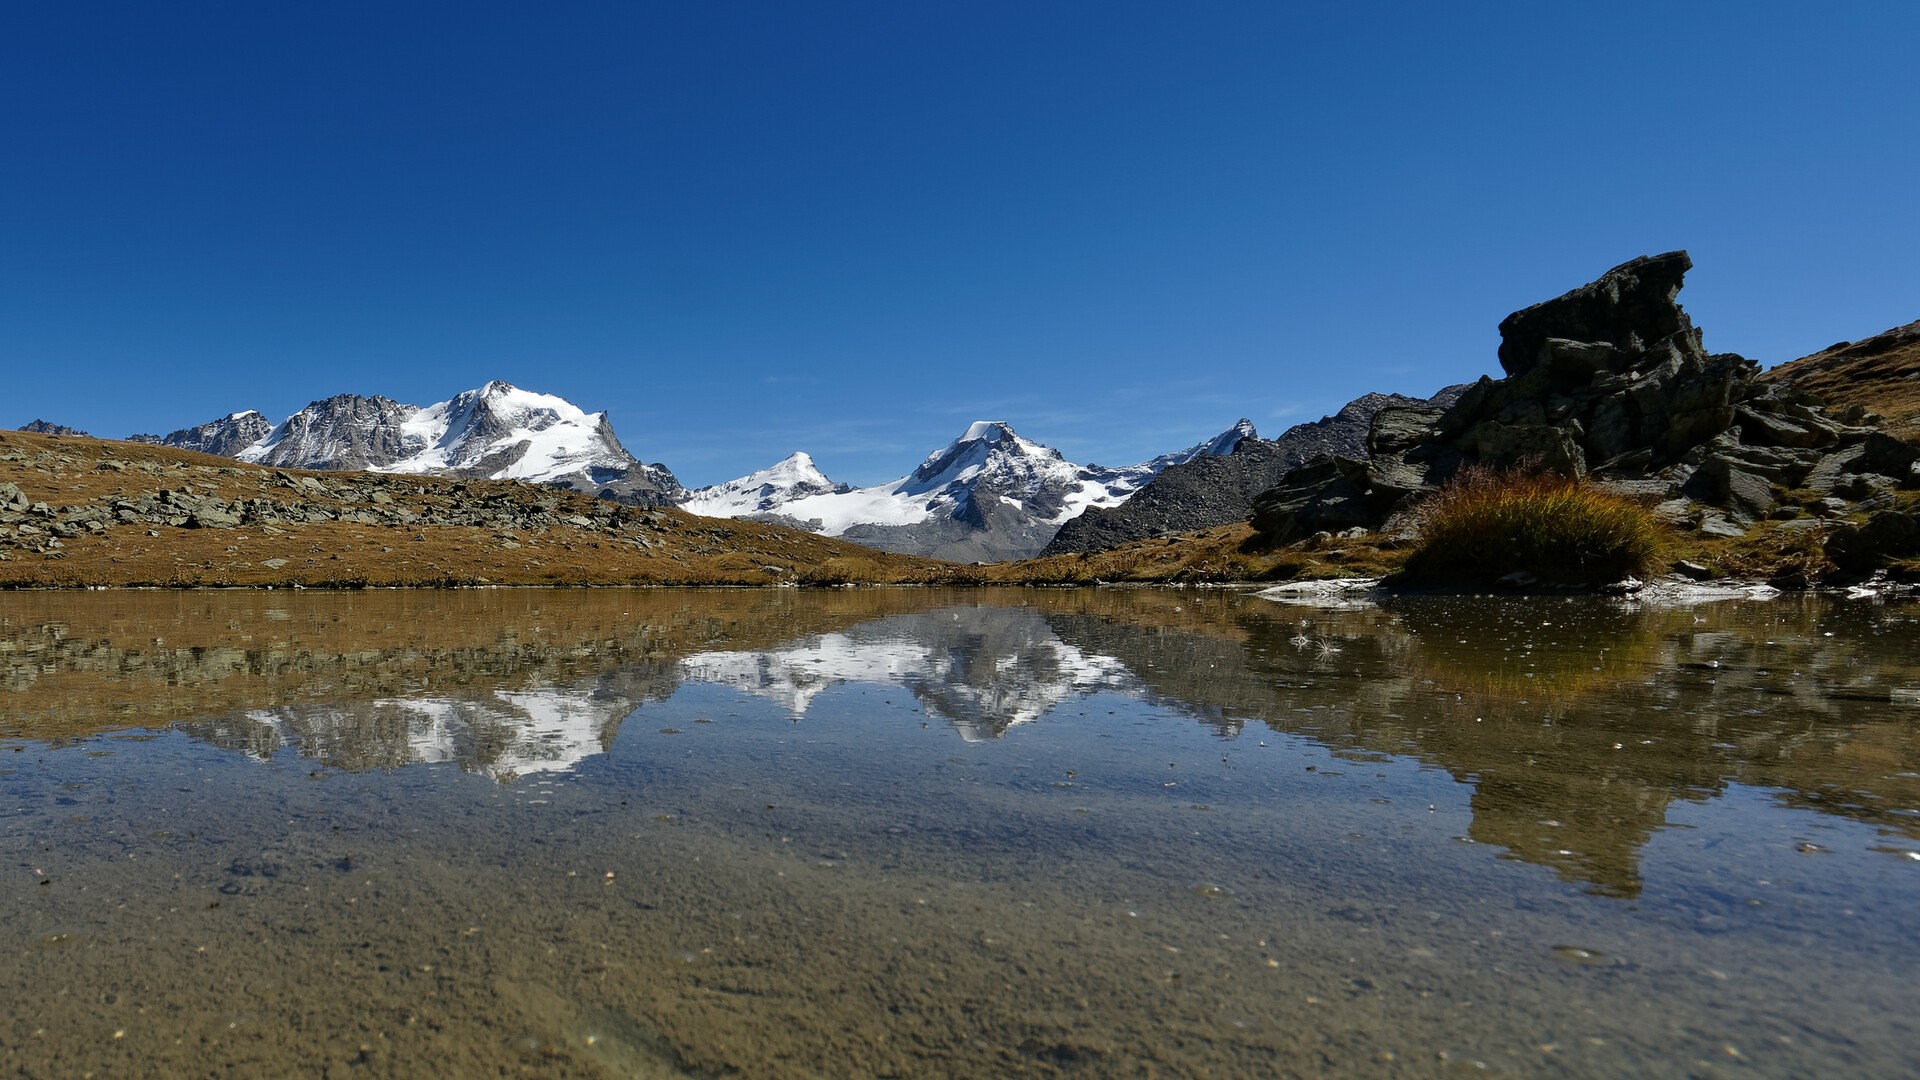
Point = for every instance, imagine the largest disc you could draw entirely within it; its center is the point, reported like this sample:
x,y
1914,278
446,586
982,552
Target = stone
x,y
1693,571
1775,429
1887,535
1717,525
1746,496
1630,307
1504,446
208,517
1322,496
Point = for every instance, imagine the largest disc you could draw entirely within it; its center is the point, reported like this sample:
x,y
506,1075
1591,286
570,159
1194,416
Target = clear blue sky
x,y
852,228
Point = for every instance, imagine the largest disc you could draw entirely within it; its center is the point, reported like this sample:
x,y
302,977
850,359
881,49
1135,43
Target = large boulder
x,y
1886,536
1630,307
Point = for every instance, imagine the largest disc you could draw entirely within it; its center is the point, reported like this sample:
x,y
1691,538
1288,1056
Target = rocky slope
x,y
988,496
77,511
1214,489
224,437
1880,374
1612,380
496,432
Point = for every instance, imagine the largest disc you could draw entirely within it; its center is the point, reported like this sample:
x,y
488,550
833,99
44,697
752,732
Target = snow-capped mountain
x,y
793,477
988,495
497,432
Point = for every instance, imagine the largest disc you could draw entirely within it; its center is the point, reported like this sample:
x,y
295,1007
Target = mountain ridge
x,y
990,495
1207,490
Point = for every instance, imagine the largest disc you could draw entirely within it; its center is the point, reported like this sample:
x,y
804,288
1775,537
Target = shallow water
x,y
927,833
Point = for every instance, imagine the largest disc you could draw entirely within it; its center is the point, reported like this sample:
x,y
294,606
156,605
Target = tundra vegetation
x,y
1531,525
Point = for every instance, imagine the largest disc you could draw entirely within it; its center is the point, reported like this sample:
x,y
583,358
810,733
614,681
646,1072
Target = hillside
x,y
1880,374
80,511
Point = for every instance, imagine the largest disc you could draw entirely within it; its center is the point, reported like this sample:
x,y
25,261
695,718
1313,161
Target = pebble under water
x,y
903,833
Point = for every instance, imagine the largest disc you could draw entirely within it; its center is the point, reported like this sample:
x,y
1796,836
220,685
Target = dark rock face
x,y
48,427
1215,490
345,431
1887,535
1623,313
1610,379
224,437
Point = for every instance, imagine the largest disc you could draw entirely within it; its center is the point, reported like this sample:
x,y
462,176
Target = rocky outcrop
x,y
48,427
224,437
1611,380
1216,490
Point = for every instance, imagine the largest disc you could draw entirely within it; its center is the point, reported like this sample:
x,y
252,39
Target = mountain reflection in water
x,y
1578,723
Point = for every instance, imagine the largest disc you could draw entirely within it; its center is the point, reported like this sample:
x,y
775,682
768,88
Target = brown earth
x,y
1881,374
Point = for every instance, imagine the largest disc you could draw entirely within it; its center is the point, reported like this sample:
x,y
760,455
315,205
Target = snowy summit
x,y
988,495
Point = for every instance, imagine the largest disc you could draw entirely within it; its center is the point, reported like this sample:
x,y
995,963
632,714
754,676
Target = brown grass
x,y
683,549
1227,553
1880,374
1485,524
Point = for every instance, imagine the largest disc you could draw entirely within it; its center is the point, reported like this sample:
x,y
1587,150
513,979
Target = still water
x,y
900,833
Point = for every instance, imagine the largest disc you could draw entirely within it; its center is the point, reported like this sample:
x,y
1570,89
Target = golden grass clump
x,y
1486,524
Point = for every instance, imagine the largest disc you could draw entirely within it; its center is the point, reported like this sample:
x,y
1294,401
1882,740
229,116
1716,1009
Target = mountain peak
x,y
496,430
792,478
987,431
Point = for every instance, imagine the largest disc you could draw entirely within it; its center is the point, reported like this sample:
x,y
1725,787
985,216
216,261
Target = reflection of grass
x,y
1495,656
1486,524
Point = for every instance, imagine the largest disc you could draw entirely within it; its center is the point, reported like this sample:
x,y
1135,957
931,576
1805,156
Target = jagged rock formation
x,y
1215,489
1611,379
224,437
48,427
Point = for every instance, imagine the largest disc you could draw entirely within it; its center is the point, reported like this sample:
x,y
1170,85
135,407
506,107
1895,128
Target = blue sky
x,y
852,228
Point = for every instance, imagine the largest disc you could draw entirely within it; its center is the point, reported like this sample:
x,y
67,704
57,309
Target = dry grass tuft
x,y
1486,524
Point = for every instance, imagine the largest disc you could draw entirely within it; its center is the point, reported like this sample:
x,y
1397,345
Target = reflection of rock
x,y
981,669
1571,767
509,735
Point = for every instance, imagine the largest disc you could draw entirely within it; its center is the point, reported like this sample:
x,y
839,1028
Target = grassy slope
x,y
1880,374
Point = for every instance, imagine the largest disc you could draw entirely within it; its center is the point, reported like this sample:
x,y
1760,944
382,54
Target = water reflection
x,y
1579,725
982,669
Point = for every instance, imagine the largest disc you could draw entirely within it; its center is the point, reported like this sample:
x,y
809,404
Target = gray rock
x,y
208,517
1746,496
1631,306
1716,525
1887,535
47,427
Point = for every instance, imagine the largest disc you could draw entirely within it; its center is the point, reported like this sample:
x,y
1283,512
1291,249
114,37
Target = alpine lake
x,y
910,832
